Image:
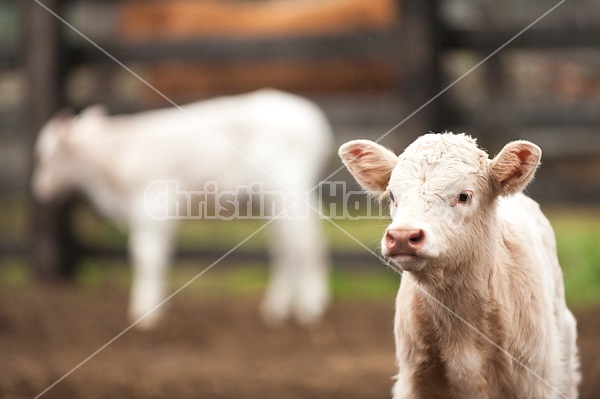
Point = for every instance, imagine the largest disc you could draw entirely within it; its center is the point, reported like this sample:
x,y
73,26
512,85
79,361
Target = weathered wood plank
x,y
489,39
526,114
51,243
354,44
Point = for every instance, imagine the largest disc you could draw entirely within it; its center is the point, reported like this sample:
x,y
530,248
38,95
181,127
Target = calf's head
x,y
442,191
57,161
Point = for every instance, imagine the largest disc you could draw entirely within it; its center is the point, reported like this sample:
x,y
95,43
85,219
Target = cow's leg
x,y
299,279
311,291
572,355
150,247
277,303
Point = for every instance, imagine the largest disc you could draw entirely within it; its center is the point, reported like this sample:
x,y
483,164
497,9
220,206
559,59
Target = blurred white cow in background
x,y
271,137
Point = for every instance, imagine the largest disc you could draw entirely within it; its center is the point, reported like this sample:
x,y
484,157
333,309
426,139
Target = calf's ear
x,y
513,168
370,163
94,111
61,124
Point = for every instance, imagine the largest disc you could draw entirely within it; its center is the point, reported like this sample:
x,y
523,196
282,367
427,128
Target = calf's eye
x,y
391,197
464,198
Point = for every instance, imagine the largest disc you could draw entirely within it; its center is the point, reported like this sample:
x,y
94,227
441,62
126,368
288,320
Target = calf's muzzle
x,y
404,241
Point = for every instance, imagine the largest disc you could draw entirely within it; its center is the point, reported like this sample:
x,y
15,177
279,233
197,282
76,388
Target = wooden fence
x,y
417,45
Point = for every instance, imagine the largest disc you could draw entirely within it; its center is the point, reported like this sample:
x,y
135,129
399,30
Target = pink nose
x,y
403,241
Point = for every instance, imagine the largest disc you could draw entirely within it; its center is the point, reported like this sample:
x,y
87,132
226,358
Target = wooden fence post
x,y
51,245
422,39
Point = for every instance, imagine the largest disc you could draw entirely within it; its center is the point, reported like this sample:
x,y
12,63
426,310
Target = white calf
x,y
271,137
481,311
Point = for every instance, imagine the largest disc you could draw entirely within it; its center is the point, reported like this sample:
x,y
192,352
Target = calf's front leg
x,y
150,247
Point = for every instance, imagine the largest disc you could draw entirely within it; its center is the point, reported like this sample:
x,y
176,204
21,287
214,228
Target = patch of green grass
x,y
14,218
97,273
251,280
343,234
14,273
227,280
221,234
578,246
224,280
375,284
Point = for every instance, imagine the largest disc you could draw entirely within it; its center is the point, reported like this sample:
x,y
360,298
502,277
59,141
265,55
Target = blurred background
x,y
370,64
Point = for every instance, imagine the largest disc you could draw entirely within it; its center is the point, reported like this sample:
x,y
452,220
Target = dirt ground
x,y
206,348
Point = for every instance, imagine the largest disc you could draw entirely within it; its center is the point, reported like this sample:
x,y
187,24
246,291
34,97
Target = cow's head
x,y
57,164
441,190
